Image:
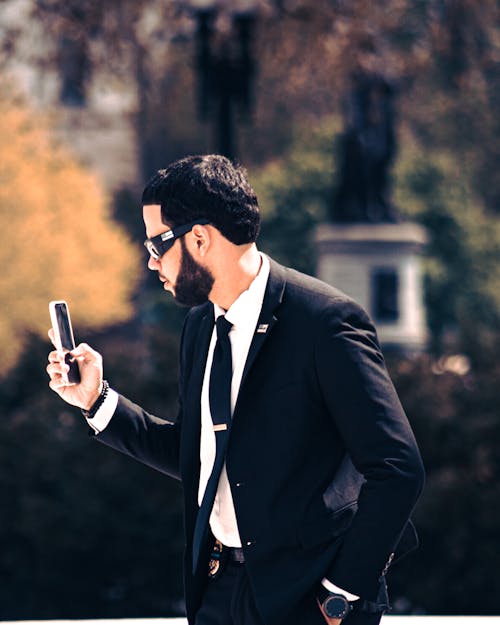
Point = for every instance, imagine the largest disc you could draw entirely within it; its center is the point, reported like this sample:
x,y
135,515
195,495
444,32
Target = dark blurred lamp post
x,y
225,66
74,71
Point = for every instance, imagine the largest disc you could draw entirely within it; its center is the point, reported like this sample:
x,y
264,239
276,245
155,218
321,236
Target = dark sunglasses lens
x,y
150,246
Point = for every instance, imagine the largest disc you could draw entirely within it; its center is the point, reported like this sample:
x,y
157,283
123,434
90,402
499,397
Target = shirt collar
x,y
246,308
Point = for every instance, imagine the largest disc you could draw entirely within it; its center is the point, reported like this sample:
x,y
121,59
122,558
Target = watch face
x,y
336,607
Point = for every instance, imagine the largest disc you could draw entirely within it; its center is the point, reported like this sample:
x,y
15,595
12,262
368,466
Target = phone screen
x,y
64,340
64,325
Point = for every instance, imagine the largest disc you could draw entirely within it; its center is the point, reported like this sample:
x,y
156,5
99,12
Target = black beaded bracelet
x,y
91,412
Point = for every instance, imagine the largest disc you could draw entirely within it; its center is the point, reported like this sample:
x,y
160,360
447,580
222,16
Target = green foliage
x,y
294,193
86,532
462,269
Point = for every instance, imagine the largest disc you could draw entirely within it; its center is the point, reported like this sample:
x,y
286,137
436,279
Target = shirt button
x,y
250,543
238,484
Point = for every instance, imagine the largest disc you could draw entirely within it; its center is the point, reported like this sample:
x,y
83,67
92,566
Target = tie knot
x,y
223,327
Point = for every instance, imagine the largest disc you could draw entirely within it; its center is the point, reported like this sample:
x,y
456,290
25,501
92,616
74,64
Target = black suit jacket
x,y
323,465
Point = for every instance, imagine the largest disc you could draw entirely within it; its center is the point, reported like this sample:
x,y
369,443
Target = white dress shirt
x,y
243,314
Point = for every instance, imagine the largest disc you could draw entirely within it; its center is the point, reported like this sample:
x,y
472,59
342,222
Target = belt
x,y
221,555
236,555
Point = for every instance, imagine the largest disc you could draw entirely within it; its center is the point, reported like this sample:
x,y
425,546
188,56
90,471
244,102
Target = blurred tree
x,y
454,97
85,532
59,241
442,57
294,194
452,404
462,273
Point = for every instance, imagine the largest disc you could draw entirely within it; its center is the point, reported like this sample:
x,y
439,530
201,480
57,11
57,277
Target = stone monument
x,y
367,250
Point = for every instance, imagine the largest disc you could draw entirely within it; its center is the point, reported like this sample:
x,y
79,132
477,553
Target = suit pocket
x,y
330,525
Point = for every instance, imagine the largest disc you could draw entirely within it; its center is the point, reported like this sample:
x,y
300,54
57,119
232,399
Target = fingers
x,y
85,353
81,350
57,384
89,362
82,353
58,376
57,368
51,337
56,356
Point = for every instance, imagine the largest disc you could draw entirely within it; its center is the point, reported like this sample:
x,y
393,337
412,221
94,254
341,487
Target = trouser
x,y
228,600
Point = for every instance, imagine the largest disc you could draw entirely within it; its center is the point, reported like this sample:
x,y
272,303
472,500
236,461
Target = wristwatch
x,y
333,604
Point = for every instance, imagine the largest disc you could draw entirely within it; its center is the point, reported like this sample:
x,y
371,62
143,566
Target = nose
x,y
153,264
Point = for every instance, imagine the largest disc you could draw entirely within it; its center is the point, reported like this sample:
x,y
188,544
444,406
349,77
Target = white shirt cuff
x,y
105,413
332,588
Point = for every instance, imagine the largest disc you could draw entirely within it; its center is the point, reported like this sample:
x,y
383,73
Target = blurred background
x,y
371,133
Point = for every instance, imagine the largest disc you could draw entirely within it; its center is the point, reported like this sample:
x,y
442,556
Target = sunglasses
x,y
161,243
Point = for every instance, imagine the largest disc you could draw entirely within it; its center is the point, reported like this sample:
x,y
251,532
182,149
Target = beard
x,y
194,282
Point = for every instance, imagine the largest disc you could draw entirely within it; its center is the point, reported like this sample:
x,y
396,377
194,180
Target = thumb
x,y
86,353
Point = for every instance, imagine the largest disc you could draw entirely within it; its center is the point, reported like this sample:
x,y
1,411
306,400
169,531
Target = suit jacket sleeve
x,y
145,437
373,426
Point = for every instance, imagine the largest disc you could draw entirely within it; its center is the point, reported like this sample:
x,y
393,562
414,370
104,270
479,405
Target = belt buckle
x,y
217,560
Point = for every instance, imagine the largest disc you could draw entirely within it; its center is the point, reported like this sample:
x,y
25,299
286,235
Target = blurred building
x,y
92,113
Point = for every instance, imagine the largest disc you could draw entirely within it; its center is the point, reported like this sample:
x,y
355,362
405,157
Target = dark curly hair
x,y
206,187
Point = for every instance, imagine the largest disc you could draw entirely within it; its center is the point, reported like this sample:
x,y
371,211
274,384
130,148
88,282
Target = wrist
x,y
97,402
333,604
94,397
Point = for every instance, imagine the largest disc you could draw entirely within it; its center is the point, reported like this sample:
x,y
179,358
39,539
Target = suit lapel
x,y
202,343
267,319
192,393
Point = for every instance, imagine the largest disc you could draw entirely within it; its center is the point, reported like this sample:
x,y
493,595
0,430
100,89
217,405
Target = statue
x,y
367,149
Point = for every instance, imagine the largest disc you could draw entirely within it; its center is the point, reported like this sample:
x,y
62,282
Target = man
x,y
298,465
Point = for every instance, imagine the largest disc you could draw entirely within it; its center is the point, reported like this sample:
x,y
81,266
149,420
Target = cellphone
x,y
64,339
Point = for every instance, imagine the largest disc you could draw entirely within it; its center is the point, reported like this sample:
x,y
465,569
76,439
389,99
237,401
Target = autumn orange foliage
x,y
58,239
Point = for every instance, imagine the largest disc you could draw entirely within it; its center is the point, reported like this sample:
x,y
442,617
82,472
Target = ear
x,y
201,238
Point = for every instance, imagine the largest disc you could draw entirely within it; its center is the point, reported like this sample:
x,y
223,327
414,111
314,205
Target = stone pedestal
x,y
105,141
379,265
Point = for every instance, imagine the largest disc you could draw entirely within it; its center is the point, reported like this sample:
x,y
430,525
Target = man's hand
x,y
87,391
330,621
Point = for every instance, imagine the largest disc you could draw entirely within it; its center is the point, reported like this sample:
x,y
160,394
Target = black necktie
x,y
220,410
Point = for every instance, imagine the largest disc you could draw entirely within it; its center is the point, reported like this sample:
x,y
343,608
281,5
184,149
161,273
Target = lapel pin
x,y
262,329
